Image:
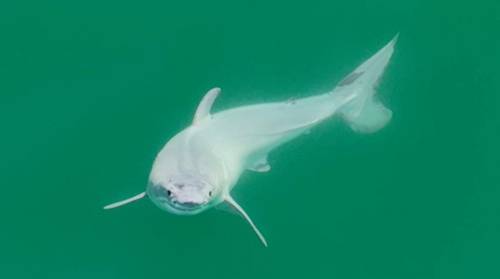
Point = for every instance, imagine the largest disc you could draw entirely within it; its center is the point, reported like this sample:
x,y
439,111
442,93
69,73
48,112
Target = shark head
x,y
183,194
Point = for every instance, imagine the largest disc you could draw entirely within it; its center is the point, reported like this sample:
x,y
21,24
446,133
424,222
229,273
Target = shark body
x,y
198,167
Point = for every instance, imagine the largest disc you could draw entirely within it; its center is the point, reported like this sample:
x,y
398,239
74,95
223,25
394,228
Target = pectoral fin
x,y
124,202
240,210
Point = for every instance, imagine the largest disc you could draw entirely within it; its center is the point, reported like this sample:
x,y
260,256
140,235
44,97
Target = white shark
x,y
198,167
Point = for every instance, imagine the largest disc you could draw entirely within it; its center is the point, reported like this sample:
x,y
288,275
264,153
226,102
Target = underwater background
x,y
91,90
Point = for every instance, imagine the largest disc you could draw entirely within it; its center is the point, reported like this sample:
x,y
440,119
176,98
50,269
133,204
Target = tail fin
x,y
365,113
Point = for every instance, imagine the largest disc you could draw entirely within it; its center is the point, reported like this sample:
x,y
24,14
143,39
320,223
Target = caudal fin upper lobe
x,y
365,113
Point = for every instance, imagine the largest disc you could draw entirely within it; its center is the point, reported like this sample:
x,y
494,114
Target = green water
x,y
91,90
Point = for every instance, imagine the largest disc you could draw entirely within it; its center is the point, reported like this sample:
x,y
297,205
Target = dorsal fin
x,y
205,105
240,210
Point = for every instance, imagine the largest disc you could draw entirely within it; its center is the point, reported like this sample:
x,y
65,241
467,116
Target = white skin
x,y
198,167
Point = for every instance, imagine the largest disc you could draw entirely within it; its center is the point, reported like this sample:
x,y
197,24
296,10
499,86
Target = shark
x,y
198,167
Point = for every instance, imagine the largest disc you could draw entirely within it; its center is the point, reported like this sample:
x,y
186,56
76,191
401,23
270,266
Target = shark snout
x,y
188,198
189,195
188,204
182,194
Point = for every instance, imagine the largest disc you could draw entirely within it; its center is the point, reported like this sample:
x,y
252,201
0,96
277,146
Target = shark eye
x,y
210,193
169,193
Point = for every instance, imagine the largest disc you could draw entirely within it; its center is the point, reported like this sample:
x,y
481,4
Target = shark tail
x,y
365,113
